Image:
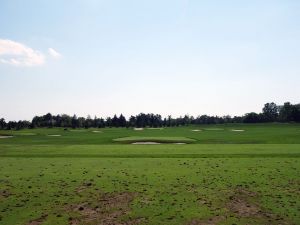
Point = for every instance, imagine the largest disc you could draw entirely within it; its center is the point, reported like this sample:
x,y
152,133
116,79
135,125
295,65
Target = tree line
x,y
270,113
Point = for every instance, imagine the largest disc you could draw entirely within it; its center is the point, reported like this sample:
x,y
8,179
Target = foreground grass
x,y
85,177
167,191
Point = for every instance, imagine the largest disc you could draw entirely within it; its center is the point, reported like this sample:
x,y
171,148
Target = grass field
x,y
224,174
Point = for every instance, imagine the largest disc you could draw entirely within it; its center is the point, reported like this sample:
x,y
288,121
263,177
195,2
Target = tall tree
x,y
270,112
122,121
2,124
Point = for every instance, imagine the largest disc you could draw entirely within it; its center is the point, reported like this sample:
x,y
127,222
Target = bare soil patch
x,y
4,193
240,203
243,203
211,221
108,209
38,221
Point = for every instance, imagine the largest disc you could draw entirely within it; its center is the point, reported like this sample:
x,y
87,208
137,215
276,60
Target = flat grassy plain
x,y
227,174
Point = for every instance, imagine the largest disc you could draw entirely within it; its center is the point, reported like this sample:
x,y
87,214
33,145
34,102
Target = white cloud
x,y
54,54
18,54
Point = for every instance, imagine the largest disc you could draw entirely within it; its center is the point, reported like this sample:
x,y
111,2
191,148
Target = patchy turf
x,y
49,182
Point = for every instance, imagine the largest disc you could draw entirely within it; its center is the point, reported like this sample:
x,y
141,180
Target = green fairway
x,y
207,134
166,140
225,174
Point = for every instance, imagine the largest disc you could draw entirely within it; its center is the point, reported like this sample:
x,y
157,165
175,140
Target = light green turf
x,y
173,184
253,134
166,140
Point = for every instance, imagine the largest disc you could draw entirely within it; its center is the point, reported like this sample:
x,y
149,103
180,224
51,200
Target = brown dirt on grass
x,y
108,210
83,187
211,221
4,193
38,221
243,204
240,204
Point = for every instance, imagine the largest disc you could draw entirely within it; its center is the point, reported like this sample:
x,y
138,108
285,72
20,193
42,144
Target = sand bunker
x,y
196,130
97,131
146,143
5,136
179,143
136,128
238,130
54,135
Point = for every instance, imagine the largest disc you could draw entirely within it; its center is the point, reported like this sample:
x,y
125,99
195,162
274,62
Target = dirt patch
x,y
108,209
240,203
4,193
83,187
243,203
211,221
38,221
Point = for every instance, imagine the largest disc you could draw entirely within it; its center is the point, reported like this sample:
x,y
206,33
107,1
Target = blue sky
x,y
169,56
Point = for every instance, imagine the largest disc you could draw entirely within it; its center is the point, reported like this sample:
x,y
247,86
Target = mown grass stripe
x,y
292,155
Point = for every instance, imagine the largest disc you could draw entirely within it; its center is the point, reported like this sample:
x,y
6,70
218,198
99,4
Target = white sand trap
x,y
196,130
136,128
146,143
54,135
4,136
238,130
179,143
97,131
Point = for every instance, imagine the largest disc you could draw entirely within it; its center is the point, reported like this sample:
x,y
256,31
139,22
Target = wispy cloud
x,y
18,54
54,54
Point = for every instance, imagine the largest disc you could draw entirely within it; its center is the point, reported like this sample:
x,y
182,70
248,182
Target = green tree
x,y
270,112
